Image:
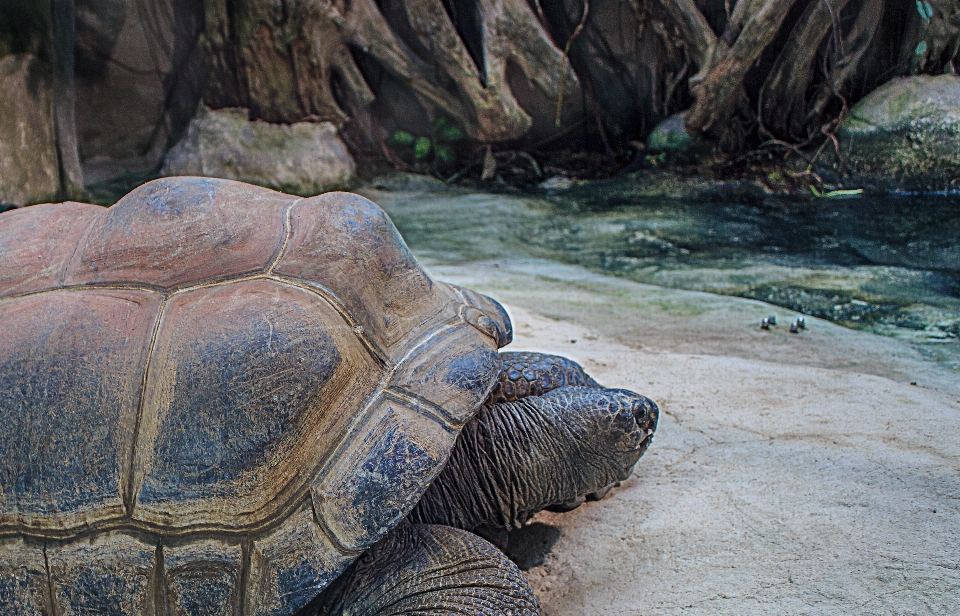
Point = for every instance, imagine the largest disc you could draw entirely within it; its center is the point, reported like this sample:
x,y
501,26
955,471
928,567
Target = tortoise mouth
x,y
646,413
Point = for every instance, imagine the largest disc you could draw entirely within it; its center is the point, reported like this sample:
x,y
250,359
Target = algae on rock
x,y
906,135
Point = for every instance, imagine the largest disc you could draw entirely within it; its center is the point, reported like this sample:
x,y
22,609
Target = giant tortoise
x,y
220,399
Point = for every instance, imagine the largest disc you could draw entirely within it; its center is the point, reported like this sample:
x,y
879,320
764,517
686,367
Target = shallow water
x,y
890,265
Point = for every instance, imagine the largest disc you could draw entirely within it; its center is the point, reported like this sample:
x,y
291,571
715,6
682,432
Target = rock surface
x,y
28,156
790,474
671,136
304,158
906,135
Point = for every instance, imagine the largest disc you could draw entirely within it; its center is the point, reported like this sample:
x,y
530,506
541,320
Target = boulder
x,y
671,136
305,158
29,170
670,142
905,135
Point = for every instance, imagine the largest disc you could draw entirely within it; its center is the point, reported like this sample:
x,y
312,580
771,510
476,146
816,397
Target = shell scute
x,y
183,231
37,243
348,245
23,579
203,577
114,573
303,380
377,479
250,383
291,564
455,383
70,368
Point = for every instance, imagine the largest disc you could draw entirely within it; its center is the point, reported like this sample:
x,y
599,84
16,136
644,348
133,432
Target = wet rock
x,y
906,135
401,180
671,136
556,183
305,158
28,156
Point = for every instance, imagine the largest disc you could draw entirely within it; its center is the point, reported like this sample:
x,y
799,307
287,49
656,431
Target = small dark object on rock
x,y
794,328
765,323
772,319
801,323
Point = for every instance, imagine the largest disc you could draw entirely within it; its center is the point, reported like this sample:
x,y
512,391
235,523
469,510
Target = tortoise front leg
x,y
430,571
528,373
516,458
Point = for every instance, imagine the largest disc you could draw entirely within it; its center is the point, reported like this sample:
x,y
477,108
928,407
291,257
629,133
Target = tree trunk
x,y
63,31
783,103
718,88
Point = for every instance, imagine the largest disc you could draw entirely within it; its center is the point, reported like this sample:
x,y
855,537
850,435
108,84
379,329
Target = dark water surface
x,y
887,264
884,260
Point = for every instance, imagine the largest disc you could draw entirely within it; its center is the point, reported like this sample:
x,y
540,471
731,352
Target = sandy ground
x,y
790,474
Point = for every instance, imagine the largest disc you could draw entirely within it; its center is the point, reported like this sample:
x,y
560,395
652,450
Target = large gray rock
x,y
906,135
306,158
28,156
671,136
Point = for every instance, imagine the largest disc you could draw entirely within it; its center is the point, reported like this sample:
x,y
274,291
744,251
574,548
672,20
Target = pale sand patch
x,y
789,474
768,490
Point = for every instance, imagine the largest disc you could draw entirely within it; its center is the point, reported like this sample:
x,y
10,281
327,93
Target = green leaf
x,y
837,194
439,123
401,137
421,148
921,48
444,153
925,10
453,133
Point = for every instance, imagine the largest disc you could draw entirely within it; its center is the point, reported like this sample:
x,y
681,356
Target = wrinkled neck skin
x,y
517,458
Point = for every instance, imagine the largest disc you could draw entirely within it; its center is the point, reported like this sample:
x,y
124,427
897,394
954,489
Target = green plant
x,y
655,160
926,14
439,143
837,194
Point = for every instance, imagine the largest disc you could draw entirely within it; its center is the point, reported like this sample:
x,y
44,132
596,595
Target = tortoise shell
x,y
214,396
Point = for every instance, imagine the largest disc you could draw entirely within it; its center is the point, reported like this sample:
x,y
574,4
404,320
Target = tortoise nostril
x,y
645,413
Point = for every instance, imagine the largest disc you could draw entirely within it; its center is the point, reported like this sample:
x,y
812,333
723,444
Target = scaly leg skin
x,y
534,374
516,458
429,571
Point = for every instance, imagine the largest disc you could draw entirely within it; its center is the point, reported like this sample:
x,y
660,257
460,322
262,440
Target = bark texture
x,y
29,165
745,71
287,62
748,73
